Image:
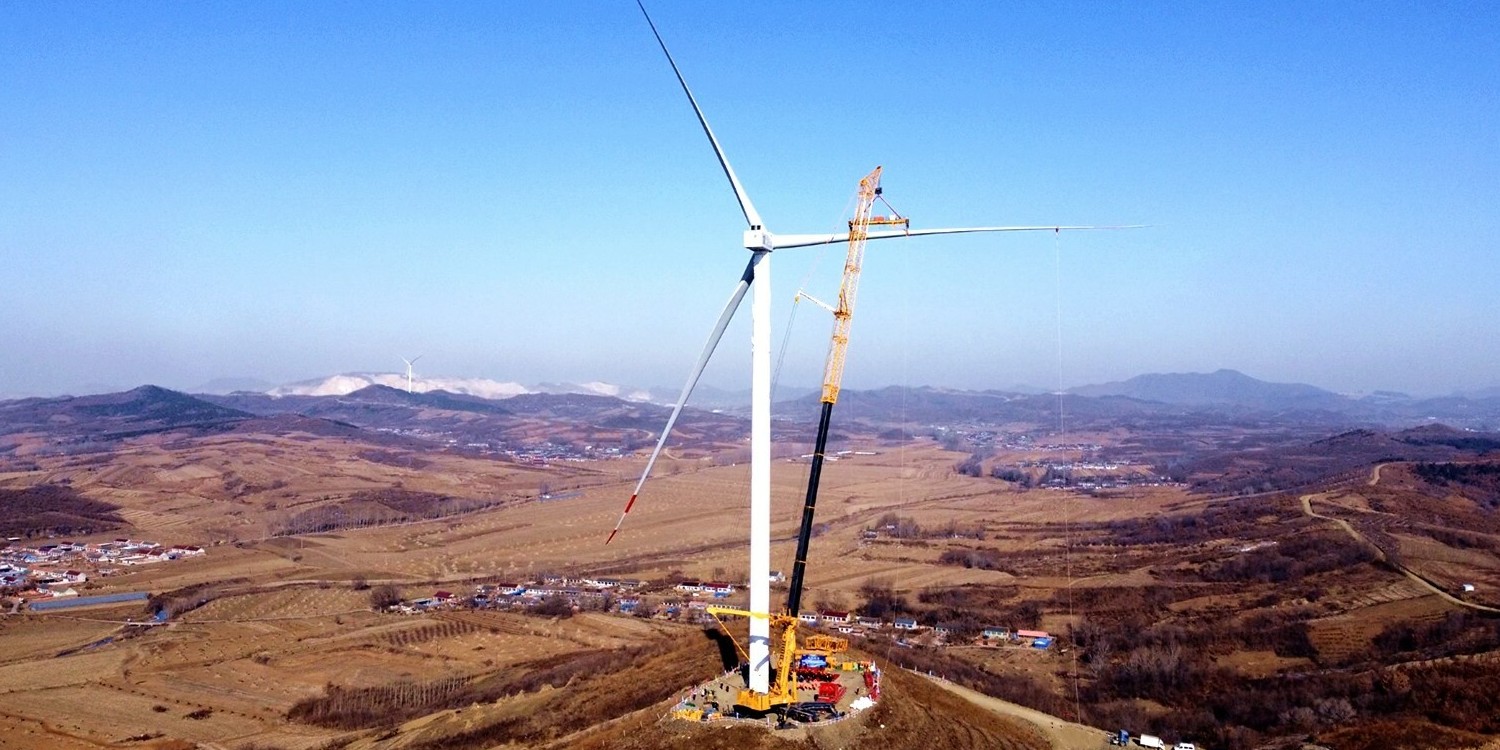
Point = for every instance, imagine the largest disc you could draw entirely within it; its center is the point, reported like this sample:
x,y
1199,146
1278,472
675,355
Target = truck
x,y
1151,741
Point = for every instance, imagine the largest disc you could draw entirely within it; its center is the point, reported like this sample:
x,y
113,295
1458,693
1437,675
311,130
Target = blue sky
x,y
519,191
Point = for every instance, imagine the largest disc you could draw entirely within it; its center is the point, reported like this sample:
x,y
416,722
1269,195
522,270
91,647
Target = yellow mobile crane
x,y
783,690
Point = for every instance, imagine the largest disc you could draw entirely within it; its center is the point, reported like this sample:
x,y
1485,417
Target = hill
x,y
84,422
1294,465
1222,388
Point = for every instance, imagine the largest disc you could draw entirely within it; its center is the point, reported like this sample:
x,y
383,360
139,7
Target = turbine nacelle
x,y
759,240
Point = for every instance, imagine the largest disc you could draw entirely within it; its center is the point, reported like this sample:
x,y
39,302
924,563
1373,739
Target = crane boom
x,y
833,371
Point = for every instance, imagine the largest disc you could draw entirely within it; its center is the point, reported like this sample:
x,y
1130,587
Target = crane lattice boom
x,y
843,315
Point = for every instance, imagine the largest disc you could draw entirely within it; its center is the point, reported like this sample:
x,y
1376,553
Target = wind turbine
x,y
409,363
757,275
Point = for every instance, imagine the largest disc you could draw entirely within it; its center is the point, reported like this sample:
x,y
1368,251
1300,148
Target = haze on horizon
x,y
519,192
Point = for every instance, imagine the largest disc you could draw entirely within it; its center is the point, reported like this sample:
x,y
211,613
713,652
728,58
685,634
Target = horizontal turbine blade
x,y
746,206
809,240
687,390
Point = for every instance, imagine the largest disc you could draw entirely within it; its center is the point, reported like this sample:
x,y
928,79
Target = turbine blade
x,y
808,240
692,381
746,206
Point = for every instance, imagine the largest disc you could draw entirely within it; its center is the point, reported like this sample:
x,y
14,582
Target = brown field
x,y
290,615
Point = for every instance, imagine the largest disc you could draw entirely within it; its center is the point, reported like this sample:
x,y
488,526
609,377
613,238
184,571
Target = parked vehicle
x,y
1184,746
1121,738
1151,741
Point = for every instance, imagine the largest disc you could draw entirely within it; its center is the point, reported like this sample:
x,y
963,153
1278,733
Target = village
x,y
689,600
51,571
537,453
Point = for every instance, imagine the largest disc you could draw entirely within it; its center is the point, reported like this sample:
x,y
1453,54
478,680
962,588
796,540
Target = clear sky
x,y
519,191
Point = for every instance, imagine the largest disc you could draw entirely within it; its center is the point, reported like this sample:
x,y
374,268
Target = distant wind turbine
x,y
757,274
409,363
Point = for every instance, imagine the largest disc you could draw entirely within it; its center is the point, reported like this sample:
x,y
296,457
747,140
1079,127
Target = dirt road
x,y
1351,531
1064,735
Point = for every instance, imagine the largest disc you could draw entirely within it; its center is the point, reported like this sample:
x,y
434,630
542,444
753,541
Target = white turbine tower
x,y
757,274
409,363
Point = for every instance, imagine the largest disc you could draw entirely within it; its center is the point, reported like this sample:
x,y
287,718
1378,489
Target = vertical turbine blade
x,y
746,206
692,381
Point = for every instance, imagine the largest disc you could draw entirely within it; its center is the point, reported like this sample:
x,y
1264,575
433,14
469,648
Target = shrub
x,y
384,596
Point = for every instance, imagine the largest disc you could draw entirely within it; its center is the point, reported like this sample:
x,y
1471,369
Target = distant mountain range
x,y
1167,399
1235,391
346,383
1220,391
343,384
481,412
1162,399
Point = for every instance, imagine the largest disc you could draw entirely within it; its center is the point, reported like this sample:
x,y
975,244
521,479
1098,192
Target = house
x,y
1468,588
717,588
777,576
689,586
995,633
74,576
833,616
869,622
904,623
811,618
1033,636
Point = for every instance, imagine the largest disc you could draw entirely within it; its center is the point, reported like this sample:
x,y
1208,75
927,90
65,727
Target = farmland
x,y
1161,595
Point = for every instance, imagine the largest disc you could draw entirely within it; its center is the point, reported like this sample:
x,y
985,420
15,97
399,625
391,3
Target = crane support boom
x,y
804,533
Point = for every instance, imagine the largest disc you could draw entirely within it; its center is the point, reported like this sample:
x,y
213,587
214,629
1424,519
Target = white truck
x,y
1151,741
